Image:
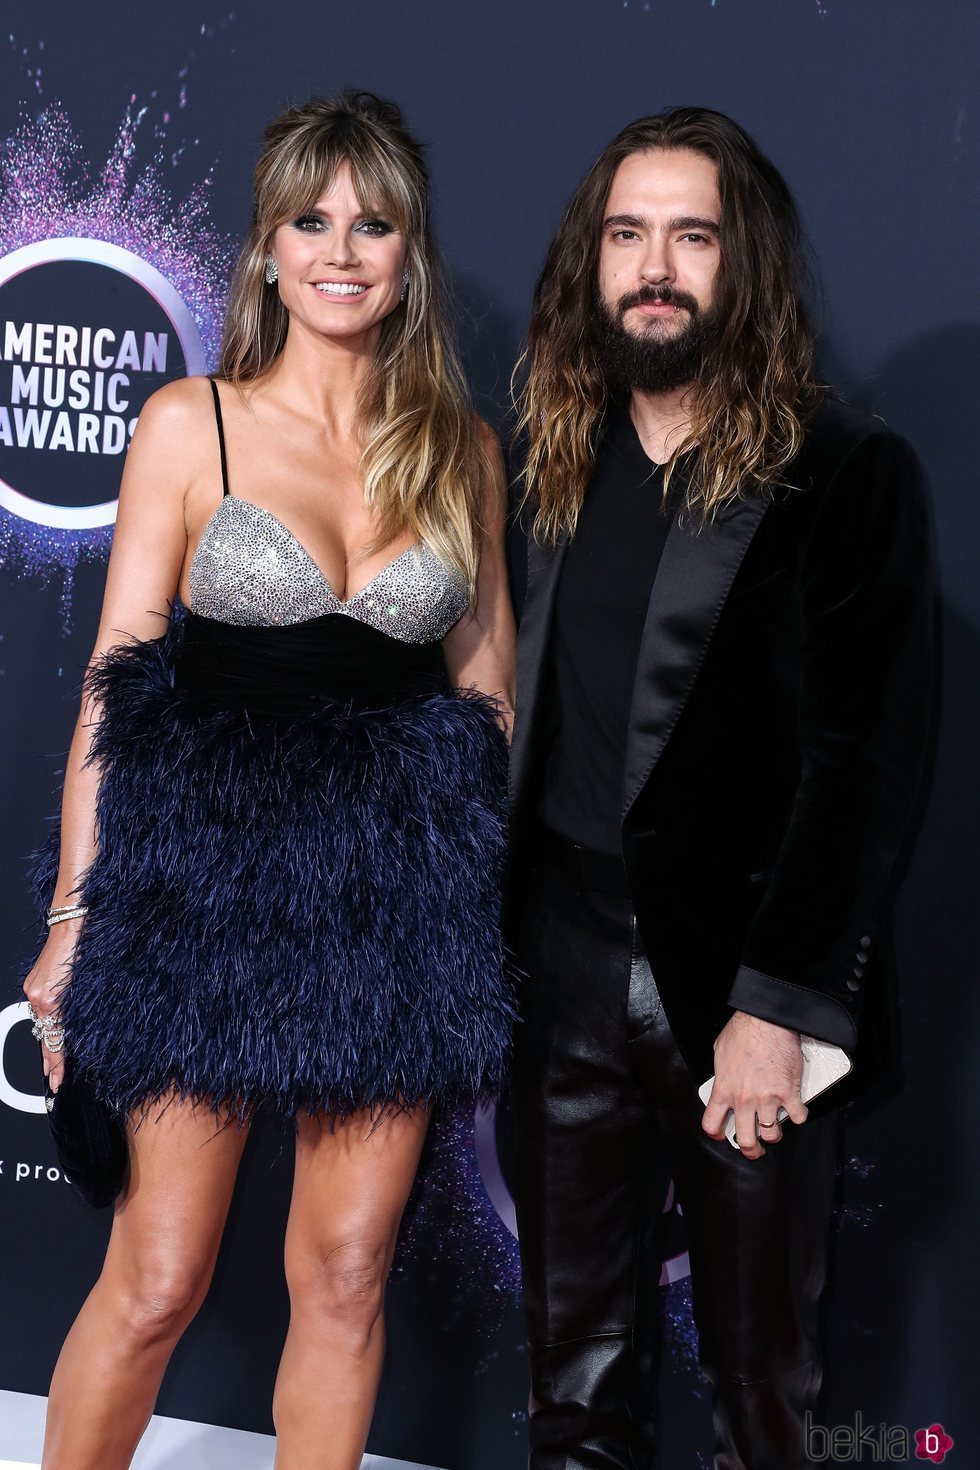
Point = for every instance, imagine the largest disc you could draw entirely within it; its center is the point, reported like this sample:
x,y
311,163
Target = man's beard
x,y
648,362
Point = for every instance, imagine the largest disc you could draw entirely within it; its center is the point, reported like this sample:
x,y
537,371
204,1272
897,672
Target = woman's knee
x,y
155,1300
341,1283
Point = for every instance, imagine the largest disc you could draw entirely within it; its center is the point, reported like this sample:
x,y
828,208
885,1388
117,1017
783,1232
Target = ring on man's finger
x,y
773,1124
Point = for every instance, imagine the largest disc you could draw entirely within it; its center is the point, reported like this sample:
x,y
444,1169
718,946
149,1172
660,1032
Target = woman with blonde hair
x,y
283,819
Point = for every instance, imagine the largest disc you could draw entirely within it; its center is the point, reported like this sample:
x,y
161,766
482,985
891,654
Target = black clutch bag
x,y
89,1139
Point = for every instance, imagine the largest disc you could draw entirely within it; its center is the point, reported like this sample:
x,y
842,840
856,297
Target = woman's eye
x,y
375,227
310,223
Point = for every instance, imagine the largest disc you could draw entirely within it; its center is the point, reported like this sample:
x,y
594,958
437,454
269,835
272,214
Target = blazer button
x,y
853,985
859,971
865,941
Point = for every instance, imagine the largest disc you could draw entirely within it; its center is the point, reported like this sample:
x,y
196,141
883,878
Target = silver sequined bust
x,y
250,569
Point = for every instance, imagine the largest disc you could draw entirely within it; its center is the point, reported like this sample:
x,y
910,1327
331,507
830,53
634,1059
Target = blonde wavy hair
x,y
423,460
757,388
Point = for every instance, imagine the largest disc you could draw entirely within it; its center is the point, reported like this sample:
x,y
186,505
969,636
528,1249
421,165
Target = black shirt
x,y
600,609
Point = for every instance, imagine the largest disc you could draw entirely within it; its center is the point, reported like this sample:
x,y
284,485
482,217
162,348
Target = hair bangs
x,y
305,173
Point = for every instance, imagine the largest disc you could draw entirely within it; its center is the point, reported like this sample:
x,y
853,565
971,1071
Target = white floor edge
x,y
169,1444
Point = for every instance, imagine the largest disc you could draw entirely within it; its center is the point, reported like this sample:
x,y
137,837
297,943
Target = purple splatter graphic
x,y
48,190
855,1207
680,1332
451,1227
31,66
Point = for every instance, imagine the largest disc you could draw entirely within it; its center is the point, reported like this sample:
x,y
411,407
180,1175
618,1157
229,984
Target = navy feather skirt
x,y
297,912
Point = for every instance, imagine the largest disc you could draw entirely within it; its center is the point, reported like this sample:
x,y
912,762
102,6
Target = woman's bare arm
x,y
480,649
148,548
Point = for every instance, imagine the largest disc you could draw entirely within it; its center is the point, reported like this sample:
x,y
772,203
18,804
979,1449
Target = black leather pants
x,y
607,1112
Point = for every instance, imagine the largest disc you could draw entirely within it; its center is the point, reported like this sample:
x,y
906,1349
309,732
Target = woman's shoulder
x,y
486,434
490,446
183,403
181,410
494,476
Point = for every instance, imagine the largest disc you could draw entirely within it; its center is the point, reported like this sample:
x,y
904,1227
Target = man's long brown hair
x,y
757,387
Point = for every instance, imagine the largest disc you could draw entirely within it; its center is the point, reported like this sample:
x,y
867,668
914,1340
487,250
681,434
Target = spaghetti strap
x,y
221,437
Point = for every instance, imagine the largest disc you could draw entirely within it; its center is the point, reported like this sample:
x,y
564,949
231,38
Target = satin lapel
x,y
693,580
544,564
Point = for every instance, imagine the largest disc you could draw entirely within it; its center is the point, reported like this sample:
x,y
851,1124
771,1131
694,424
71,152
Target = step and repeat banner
x,y
127,137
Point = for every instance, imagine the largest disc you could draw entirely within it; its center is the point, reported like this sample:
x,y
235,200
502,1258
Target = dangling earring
x,y
405,280
271,270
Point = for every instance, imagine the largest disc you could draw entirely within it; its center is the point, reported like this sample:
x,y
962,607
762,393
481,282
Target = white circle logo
x,y
72,385
24,1102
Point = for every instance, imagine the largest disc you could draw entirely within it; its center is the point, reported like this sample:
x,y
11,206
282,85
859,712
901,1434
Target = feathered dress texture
x,y
295,914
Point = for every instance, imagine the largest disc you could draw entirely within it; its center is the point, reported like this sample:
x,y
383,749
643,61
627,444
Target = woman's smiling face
x,y
340,266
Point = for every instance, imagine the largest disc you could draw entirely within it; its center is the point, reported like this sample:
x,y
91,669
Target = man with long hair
x,y
723,700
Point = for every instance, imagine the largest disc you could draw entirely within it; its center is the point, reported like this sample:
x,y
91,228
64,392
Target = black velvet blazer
x,y
779,719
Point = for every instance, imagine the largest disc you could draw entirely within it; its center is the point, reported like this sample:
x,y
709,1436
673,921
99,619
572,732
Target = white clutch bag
x,y
823,1065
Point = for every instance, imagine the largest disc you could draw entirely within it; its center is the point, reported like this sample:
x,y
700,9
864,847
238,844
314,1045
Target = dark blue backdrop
x,y
869,107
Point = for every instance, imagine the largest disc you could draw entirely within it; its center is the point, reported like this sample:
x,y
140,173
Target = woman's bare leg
x,y
165,1236
350,1190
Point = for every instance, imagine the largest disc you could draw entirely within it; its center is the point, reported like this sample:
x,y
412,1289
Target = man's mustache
x,y
646,295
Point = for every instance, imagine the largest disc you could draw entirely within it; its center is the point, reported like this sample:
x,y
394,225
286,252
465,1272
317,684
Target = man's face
x,y
658,260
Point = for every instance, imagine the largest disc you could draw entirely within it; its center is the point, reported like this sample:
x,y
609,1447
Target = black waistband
x,y
278,670
587,870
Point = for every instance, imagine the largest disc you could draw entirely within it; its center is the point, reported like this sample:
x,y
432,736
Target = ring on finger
x,y
48,1030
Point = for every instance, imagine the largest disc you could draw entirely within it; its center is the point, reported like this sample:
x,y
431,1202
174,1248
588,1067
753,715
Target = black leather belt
x,y
587,870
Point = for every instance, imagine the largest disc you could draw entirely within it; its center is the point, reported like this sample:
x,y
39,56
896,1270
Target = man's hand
x,y
758,1067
